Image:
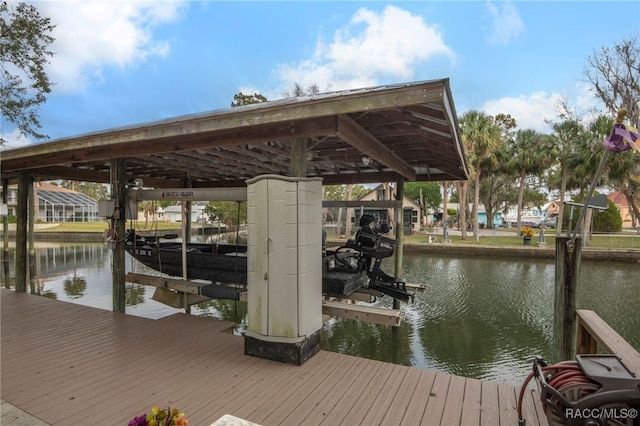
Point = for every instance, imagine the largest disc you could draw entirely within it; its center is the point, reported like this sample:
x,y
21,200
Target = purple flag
x,y
621,139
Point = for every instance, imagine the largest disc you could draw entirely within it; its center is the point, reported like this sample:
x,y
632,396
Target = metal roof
x,y
355,136
63,198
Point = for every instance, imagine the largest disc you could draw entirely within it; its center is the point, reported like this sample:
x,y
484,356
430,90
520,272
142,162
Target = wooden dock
x,y
70,364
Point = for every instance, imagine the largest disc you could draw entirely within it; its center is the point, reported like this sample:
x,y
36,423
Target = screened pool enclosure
x,y
66,206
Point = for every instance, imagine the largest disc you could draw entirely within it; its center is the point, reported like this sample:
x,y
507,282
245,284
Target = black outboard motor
x,y
369,241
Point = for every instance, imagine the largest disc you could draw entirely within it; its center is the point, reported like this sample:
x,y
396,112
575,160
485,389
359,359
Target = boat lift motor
x,y
375,247
594,390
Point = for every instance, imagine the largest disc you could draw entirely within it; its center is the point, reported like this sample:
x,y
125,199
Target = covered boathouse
x,y
398,133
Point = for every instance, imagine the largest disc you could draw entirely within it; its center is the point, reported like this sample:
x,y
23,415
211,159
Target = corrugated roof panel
x,y
67,198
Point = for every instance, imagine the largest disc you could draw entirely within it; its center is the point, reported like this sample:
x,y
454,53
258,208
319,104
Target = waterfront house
x,y
622,204
56,204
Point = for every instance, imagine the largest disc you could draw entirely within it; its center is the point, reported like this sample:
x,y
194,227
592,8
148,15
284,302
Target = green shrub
x,y
603,221
608,220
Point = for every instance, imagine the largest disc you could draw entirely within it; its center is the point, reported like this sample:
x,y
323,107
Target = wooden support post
x,y
187,215
188,208
299,158
119,195
347,225
566,284
31,215
399,214
585,342
21,231
5,235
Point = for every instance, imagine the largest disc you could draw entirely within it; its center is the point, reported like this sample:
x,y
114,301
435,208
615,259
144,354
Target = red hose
x,y
569,374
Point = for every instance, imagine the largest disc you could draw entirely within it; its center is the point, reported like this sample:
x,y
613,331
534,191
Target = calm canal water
x,y
480,317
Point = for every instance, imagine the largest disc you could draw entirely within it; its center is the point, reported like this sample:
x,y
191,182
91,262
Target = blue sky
x,y
126,62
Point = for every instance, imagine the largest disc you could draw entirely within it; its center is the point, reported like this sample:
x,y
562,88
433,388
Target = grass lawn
x,y
102,225
622,240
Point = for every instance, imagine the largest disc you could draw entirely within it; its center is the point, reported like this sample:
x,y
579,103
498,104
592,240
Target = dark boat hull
x,y
228,264
223,264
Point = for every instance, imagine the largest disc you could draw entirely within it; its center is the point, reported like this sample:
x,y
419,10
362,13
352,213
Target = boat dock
x,y
66,364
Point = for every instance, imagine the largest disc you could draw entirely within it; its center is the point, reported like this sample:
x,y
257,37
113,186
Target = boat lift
x,y
191,291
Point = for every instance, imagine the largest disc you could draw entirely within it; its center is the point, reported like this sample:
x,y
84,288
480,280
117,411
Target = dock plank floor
x,y
70,364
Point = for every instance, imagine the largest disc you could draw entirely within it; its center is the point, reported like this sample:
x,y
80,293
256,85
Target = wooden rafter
x,y
360,139
407,130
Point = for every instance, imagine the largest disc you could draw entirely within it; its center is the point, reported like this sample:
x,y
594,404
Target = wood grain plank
x,y
366,399
401,398
69,364
313,400
508,403
352,394
489,405
437,397
384,399
471,402
418,402
337,391
277,406
452,411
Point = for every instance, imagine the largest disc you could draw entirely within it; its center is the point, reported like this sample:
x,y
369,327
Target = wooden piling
x,y
568,253
5,235
399,214
31,217
21,232
299,157
118,220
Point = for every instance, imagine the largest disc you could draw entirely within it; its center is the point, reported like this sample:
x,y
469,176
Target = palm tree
x,y
526,155
481,137
566,135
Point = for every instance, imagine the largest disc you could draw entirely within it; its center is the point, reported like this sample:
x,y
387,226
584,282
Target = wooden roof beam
x,y
356,136
119,143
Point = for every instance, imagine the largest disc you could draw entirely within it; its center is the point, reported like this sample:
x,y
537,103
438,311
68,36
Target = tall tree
x,y
566,134
526,155
614,73
427,194
240,99
496,191
482,138
97,191
298,91
622,170
25,37
231,213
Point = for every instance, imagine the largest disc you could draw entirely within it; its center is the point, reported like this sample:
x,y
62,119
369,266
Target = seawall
x,y
546,252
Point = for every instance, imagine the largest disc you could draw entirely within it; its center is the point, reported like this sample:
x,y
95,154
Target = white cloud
x,y
373,45
93,35
14,139
506,23
529,111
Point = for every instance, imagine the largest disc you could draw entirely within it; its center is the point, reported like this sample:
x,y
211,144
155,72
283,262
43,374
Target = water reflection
x,y
75,286
487,318
480,317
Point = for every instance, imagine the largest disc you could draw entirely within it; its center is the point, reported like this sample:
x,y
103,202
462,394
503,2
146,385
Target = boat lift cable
x,y
237,233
